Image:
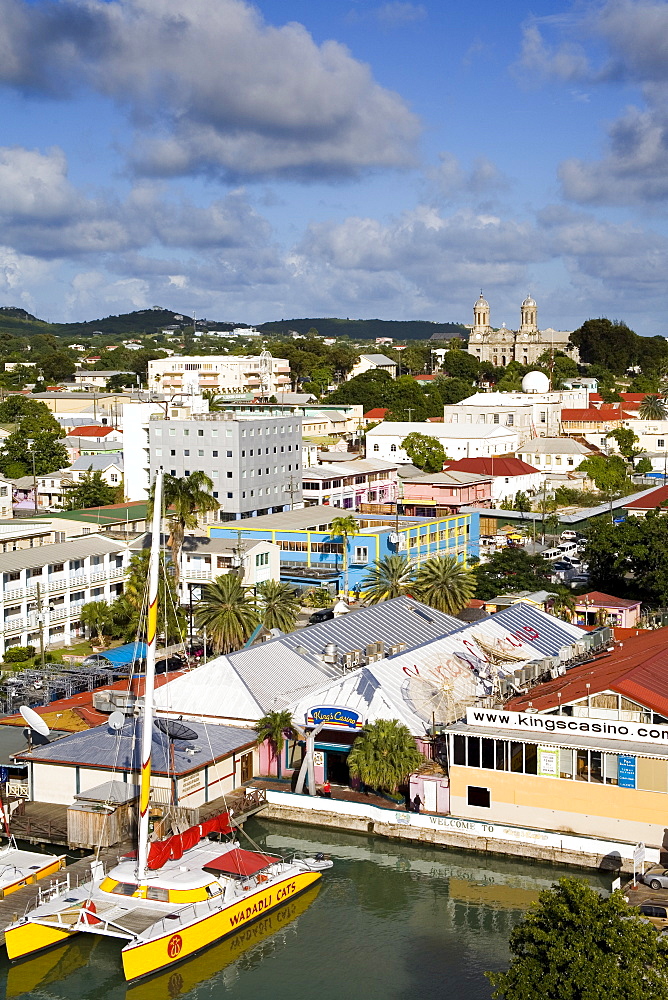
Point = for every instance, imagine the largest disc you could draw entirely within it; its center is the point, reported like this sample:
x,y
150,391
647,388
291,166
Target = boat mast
x,y
149,684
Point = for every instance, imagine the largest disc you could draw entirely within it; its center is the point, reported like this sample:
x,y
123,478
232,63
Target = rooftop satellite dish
x,y
175,730
116,720
34,721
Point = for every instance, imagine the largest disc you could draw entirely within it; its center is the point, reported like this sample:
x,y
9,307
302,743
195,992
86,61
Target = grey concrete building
x,y
254,460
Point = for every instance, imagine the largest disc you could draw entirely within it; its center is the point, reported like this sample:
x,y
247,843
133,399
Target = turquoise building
x,y
312,556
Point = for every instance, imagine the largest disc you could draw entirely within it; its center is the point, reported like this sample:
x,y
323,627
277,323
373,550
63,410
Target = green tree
x,y
653,408
388,577
563,605
576,944
216,402
91,491
609,344
384,754
626,442
16,459
510,570
371,389
609,474
98,617
453,390
184,499
643,466
444,584
343,527
31,416
274,727
425,452
129,610
278,605
124,380
461,365
227,611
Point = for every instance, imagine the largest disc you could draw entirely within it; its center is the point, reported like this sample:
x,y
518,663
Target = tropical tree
x,y
626,442
216,403
577,943
511,569
389,577
444,584
278,605
98,617
384,754
184,499
563,606
274,727
343,527
653,408
227,611
91,491
424,451
129,609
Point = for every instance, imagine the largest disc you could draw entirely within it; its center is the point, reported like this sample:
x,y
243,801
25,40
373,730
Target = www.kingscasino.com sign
x,y
566,725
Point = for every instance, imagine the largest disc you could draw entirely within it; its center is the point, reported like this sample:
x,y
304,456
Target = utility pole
x,y
31,445
409,411
291,488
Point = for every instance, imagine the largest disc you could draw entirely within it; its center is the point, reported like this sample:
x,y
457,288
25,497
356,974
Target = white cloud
x,y
214,89
398,13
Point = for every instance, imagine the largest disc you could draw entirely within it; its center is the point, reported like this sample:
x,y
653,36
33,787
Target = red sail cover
x,y
239,862
171,849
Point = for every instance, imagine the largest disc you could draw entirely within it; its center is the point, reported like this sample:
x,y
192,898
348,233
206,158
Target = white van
x,y
565,547
552,554
568,536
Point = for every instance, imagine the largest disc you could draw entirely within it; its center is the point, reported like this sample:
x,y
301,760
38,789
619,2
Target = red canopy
x,y
171,849
238,862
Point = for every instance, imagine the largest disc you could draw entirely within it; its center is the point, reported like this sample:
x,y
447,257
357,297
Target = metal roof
x,y
379,359
104,748
564,739
401,619
98,462
95,544
544,632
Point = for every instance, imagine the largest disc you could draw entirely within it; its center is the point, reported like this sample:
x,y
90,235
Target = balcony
x,y
65,582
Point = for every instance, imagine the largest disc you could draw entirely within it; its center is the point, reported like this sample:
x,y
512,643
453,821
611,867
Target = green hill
x,y
365,329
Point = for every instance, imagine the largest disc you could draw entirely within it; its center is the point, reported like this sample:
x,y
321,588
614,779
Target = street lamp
x,y
31,444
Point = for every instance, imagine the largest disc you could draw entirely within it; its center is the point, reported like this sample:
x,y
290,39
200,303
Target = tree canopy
x,y
631,558
576,944
91,491
384,754
509,570
424,451
614,346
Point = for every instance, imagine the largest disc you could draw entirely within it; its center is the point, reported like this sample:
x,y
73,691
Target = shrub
x,y
17,654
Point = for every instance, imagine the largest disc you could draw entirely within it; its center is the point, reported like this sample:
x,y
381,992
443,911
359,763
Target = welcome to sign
x,y
566,725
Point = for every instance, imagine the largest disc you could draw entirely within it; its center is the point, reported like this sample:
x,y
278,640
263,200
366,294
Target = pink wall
x,y
426,492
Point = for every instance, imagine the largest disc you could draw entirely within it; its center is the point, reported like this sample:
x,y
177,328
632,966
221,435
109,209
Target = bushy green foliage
x,y
18,654
384,754
616,348
509,570
630,559
91,491
425,452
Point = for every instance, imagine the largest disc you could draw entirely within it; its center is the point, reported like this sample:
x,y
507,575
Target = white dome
x,y
535,382
481,302
529,301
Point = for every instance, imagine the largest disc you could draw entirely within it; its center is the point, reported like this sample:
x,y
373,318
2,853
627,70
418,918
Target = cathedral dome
x,y
482,302
529,302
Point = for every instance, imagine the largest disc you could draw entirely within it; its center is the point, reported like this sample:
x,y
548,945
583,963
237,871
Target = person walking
x,y
417,802
327,790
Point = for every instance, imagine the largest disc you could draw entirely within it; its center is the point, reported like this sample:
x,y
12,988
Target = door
x,y
429,792
246,767
336,768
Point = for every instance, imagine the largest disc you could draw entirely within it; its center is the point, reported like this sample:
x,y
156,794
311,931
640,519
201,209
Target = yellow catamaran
x,y
176,897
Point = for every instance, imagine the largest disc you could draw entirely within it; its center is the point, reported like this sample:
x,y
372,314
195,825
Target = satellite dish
x,y
116,720
34,721
175,730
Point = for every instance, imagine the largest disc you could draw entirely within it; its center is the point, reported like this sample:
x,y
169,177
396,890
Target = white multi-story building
x,y
349,484
261,374
458,440
62,578
374,363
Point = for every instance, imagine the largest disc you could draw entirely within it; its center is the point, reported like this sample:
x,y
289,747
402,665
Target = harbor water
x,y
390,921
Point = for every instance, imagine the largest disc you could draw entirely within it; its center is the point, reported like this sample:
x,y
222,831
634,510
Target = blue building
x,y
312,556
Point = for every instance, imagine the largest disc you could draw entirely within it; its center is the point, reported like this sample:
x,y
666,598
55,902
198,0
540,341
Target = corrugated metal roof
x,y
95,544
400,620
98,462
552,633
104,748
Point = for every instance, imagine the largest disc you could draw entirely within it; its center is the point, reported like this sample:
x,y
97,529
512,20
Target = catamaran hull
x,y
143,958
30,937
49,869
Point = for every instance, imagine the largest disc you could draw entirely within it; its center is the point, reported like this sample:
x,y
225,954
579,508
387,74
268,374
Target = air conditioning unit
x,y
375,649
352,659
397,647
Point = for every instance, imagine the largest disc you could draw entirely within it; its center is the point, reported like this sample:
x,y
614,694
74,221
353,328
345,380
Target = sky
x,y
353,158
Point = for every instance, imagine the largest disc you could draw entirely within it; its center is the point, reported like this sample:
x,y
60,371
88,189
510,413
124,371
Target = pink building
x,y
445,491
596,608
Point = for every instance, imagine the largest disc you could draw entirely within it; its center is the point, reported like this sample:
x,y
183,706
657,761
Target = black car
x,y
323,615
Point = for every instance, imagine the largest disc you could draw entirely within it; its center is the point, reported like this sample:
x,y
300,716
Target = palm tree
x,y
227,611
216,403
384,754
343,527
653,408
184,499
98,617
278,605
129,609
444,584
274,726
563,606
389,577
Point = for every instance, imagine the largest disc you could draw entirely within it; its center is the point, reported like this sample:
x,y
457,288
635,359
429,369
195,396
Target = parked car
x,y
568,536
561,566
656,877
579,580
323,615
551,553
657,915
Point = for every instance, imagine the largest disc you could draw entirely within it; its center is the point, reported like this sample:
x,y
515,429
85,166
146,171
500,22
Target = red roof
x,y
637,668
376,414
425,378
600,600
653,499
593,414
240,862
90,430
492,465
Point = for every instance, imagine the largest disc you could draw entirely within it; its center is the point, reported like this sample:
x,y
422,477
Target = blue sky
x,y
335,157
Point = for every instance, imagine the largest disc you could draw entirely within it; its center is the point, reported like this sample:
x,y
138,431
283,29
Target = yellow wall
x,y
561,794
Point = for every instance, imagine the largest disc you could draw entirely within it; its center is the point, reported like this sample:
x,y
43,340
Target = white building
x,y
372,363
262,374
68,575
554,455
89,378
5,500
349,484
458,440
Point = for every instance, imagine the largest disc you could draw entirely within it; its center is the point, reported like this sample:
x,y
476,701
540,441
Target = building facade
x,y
458,440
262,374
350,484
525,345
253,460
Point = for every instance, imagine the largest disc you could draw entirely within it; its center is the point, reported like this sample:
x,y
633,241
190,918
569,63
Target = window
x,y
229,454
172,452
660,443
186,451
376,447
172,431
200,453
200,433
186,432
479,797
229,475
229,496
393,447
496,418
361,554
214,454
262,559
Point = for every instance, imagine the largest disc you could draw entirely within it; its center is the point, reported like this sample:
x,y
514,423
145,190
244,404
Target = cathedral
x,y
524,345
